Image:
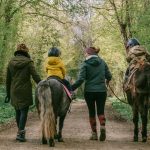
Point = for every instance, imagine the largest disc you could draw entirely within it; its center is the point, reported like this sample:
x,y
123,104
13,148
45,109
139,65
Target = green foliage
x,y
7,112
123,109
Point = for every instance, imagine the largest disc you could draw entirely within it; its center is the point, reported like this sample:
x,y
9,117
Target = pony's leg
x,y
51,142
56,135
61,124
44,140
135,121
144,115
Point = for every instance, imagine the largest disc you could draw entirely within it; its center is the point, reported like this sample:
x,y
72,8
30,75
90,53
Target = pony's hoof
x,y
44,141
60,140
144,139
135,139
51,143
56,136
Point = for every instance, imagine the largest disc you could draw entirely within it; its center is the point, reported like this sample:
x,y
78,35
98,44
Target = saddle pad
x,y
67,91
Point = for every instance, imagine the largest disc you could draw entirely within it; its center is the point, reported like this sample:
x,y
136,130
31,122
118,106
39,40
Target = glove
x,y
7,99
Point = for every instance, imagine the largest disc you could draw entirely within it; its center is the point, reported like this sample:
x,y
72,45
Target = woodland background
x,y
72,25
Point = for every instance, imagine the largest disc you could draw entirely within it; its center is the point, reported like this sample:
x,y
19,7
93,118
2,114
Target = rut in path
x,y
76,133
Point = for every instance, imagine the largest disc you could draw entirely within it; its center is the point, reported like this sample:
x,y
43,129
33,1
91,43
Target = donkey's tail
x,y
46,110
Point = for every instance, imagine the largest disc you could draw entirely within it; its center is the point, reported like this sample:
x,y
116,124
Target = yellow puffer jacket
x,y
55,67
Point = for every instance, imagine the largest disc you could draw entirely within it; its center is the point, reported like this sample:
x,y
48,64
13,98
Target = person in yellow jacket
x,y
55,67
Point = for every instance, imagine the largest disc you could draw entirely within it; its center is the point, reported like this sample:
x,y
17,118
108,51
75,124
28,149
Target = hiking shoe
x,y
21,136
94,136
102,135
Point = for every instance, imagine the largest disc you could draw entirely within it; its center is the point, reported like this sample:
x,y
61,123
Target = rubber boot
x,y
94,136
93,127
102,133
102,121
21,136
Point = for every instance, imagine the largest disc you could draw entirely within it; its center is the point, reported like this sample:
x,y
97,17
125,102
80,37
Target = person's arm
x,y
63,69
81,77
8,82
33,72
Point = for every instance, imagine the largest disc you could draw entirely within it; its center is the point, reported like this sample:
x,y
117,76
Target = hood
x,y
20,61
94,61
53,60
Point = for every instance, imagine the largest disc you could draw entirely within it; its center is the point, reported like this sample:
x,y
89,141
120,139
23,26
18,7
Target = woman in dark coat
x,y
19,87
95,72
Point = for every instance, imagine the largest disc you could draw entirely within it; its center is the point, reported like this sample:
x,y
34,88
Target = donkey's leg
x,y
144,116
61,124
135,121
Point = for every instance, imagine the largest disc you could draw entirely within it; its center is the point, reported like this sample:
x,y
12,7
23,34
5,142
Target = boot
x,y
102,121
102,134
94,136
21,136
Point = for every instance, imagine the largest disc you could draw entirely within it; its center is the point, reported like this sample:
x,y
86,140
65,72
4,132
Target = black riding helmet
x,y
132,42
54,52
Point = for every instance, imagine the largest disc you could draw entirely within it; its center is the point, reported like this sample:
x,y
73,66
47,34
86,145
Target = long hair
x,y
46,110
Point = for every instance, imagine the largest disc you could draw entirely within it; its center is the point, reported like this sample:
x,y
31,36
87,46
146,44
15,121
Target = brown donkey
x,y
138,95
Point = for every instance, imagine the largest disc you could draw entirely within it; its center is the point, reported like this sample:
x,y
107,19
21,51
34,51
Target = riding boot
x,y
21,136
102,121
93,127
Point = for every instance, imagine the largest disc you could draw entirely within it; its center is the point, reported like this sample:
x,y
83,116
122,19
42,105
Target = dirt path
x,y
76,134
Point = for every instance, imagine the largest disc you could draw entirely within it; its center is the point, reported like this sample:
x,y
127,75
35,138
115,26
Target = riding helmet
x,y
132,42
54,52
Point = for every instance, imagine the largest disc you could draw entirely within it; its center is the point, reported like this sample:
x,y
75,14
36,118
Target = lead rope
x,y
117,96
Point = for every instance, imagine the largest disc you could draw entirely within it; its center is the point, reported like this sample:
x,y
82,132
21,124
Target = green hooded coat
x,y
18,81
94,71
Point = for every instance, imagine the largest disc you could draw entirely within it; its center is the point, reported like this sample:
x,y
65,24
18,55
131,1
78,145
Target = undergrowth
x,y
7,112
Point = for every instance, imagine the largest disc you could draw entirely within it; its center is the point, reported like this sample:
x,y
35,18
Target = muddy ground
x,y
76,133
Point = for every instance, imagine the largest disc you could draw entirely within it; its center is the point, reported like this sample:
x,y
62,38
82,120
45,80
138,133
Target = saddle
x,y
128,85
65,88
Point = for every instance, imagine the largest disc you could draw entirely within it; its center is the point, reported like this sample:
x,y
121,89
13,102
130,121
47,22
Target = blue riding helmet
x,y
54,52
132,42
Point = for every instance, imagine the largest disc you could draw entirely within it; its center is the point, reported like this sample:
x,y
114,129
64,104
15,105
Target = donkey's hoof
x,y
135,139
144,139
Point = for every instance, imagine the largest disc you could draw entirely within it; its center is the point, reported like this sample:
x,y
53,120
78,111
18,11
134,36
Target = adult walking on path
x,y
95,72
19,87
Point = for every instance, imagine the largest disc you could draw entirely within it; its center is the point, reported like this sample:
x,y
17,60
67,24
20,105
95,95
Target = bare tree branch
x,y
45,15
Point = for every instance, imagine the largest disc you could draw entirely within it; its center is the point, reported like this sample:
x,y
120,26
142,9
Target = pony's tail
x,y
46,111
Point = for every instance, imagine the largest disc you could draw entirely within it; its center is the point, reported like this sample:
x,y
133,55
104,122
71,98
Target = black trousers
x,y
21,117
95,101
